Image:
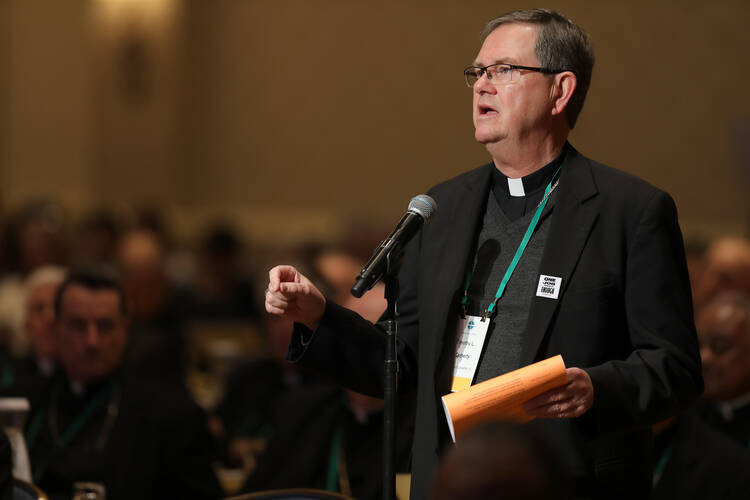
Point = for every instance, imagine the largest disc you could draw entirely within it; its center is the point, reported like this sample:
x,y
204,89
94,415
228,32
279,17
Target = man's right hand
x,y
291,295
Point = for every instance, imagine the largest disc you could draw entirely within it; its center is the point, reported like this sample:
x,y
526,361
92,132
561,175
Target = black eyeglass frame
x,y
483,71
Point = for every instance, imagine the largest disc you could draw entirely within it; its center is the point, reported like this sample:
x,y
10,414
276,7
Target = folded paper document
x,y
502,397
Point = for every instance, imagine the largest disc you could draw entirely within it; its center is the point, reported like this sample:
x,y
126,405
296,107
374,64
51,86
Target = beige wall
x,y
286,113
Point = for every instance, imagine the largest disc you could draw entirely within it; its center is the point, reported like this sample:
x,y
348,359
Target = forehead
x,y
86,302
44,291
511,43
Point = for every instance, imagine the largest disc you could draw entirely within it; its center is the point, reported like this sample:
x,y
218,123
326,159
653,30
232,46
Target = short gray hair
x,y
560,44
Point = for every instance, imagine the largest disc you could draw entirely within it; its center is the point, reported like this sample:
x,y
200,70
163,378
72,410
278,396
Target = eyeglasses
x,y
500,72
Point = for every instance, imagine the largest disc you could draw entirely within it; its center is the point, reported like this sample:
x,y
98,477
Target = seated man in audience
x,y
724,333
137,438
692,461
327,437
29,377
331,439
156,347
726,268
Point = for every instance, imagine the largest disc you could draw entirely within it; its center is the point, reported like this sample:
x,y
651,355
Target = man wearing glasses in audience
x,y
562,255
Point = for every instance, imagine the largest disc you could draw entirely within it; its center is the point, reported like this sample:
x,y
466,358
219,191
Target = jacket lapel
x,y
571,223
455,238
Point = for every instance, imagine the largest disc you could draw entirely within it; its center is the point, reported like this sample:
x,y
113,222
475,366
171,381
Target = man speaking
x,y
561,254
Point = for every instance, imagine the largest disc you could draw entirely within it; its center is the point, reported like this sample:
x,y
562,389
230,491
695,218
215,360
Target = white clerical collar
x,y
515,187
727,407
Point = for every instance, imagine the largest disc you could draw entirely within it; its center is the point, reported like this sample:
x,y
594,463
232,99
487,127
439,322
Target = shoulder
x,y
610,180
158,403
617,191
469,179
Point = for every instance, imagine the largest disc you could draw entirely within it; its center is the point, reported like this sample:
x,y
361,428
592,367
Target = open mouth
x,y
486,110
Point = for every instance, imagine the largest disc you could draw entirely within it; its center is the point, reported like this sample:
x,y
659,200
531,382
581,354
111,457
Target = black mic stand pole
x,y
390,375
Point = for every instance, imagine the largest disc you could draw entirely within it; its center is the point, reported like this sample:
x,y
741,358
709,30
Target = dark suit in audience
x,y
25,378
330,439
697,462
139,438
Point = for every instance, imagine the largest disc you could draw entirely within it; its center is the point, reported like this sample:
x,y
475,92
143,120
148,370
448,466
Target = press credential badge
x,y
472,331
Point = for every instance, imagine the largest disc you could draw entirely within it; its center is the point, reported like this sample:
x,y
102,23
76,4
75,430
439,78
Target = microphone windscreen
x,y
423,205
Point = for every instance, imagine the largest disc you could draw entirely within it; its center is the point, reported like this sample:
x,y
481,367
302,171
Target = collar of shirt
x,y
533,186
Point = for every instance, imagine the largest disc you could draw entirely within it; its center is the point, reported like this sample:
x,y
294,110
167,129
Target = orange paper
x,y
502,397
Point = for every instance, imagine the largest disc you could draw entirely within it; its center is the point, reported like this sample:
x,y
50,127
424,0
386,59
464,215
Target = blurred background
x,y
292,119
193,144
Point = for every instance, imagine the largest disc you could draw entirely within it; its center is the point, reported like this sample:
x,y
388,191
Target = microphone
x,y
421,208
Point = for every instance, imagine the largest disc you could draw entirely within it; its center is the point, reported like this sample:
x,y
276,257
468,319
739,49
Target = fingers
x,y
569,408
568,401
282,274
555,396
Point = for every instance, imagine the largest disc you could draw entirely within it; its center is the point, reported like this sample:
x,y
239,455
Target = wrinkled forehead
x,y
511,43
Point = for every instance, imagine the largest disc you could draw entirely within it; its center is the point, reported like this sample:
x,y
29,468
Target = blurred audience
x,y
98,423
34,237
106,387
29,376
330,439
244,418
500,461
156,348
326,437
724,333
97,238
223,288
727,267
696,462
695,256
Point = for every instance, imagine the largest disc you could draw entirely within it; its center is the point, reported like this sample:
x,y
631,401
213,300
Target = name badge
x,y
472,331
549,286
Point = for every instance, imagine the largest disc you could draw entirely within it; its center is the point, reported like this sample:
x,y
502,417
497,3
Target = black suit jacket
x,y
702,463
624,314
158,445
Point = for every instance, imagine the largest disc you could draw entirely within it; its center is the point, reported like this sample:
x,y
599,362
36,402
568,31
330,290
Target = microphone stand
x,y
390,377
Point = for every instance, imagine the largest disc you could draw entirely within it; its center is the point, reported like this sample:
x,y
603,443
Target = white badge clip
x,y
549,286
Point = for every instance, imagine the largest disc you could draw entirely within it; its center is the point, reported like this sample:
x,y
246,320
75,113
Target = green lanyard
x,y
519,252
73,429
332,478
659,469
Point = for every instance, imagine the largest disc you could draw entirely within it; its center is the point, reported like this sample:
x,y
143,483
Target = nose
x,y
483,85
92,335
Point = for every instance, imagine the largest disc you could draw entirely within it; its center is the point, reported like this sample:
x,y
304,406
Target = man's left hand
x,y
568,401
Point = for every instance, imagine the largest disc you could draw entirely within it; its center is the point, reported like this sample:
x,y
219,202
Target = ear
x,y
562,90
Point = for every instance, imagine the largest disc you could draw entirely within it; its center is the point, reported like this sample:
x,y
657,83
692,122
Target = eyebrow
x,y
502,60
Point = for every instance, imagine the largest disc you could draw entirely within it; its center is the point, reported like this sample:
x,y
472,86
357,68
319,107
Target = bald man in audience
x,y
29,377
724,334
727,267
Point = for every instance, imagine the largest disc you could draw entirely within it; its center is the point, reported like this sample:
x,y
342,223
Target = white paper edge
x,y
448,417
